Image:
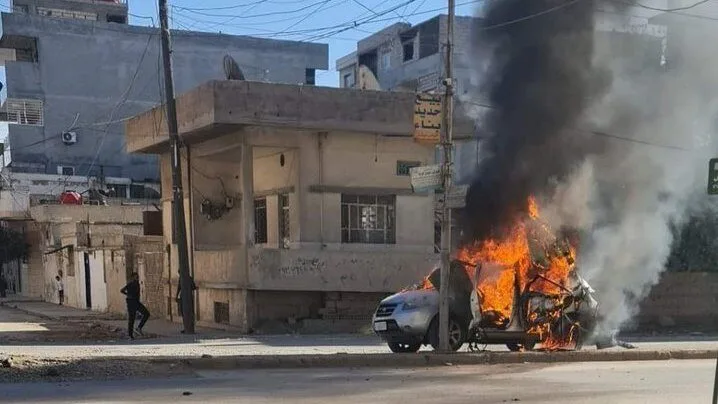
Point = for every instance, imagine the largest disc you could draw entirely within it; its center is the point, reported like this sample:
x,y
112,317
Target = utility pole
x,y
447,170
178,211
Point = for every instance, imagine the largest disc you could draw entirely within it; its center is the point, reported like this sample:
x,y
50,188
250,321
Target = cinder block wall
x,y
682,299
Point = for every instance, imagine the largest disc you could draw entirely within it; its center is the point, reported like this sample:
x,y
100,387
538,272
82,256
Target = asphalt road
x,y
25,335
656,382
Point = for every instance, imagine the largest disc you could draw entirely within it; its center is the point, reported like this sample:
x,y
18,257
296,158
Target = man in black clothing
x,y
3,286
132,293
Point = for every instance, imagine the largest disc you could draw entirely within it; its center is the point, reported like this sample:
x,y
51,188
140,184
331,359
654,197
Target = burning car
x,y
519,290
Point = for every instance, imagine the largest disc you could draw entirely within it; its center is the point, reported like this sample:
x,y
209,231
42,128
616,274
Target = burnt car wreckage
x,y
565,318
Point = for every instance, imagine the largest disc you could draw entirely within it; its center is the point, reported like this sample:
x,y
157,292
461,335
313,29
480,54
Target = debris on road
x,y
26,369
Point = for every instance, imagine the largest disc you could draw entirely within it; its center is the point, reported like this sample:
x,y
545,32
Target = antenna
x,y
231,69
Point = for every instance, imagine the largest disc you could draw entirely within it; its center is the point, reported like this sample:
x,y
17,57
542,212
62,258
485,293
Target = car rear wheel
x,y
457,334
404,347
516,347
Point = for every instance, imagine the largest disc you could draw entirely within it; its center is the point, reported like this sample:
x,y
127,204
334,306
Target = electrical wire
x,y
665,10
301,20
530,16
267,14
237,6
362,5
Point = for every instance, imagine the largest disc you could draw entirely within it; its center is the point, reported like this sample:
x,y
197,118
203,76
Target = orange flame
x,y
529,249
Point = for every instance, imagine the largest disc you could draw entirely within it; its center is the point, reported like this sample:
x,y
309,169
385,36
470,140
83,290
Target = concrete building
x,y
298,199
75,70
405,57
93,249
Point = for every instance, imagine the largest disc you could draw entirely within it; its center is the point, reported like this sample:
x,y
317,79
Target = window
x,y
27,51
403,167
408,49
260,221
309,76
348,80
368,219
119,190
23,112
221,313
386,60
138,191
66,170
284,221
120,19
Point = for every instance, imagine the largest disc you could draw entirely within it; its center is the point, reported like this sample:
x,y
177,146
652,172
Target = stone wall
x,y
682,299
350,306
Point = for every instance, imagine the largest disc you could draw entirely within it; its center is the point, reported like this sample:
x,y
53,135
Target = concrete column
x,y
308,203
247,195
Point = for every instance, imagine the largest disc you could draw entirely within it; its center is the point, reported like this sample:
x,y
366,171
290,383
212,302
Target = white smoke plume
x,y
626,198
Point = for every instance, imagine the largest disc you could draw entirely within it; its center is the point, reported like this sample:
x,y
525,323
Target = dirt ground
x,y
25,369
17,327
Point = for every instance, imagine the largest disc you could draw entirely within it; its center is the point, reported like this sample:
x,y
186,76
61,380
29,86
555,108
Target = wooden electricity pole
x,y
447,169
178,211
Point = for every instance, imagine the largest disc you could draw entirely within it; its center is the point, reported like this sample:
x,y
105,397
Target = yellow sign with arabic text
x,y
427,118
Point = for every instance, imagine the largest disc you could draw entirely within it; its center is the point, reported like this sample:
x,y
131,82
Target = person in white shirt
x,y
60,289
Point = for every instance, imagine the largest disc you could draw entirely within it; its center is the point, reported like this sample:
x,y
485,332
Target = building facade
x,y
298,200
404,57
76,70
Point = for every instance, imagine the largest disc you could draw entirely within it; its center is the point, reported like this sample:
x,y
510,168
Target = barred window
x,y
284,221
260,220
368,219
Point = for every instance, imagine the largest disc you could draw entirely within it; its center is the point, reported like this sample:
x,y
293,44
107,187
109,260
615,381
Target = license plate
x,y
380,326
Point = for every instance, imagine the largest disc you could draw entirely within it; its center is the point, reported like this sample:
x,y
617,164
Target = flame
x,y
529,249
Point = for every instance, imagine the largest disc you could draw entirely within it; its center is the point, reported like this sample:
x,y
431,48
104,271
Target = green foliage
x,y
695,245
12,245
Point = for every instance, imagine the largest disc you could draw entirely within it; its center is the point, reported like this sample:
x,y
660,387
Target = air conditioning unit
x,y
69,137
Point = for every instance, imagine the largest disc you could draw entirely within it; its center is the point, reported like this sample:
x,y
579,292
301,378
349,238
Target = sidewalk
x,y
210,347
156,328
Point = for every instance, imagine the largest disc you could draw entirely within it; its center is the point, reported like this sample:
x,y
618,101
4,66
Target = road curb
x,y
429,359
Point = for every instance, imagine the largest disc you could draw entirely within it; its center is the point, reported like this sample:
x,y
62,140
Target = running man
x,y
132,293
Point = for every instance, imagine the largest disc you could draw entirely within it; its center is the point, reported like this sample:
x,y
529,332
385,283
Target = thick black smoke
x,y
541,80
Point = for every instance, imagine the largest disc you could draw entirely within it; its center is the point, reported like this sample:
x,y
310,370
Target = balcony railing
x,y
22,112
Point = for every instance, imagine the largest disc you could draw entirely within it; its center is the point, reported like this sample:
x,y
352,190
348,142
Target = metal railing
x,y
22,112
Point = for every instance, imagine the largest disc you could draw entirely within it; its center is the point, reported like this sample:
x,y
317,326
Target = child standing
x,y
60,289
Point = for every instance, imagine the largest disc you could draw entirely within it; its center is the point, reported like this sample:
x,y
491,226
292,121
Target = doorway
x,y
88,284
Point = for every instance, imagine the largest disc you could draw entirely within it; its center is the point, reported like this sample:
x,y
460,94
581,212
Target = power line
x,y
237,6
374,12
267,14
301,20
598,133
666,10
244,25
530,16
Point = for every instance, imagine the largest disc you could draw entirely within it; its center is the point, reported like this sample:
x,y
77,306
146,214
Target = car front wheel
x,y
404,347
457,334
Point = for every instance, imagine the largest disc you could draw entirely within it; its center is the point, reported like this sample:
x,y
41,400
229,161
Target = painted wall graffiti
x,y
302,267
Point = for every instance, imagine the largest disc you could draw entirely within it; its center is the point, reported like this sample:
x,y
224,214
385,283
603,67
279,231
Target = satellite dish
x,y
231,69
